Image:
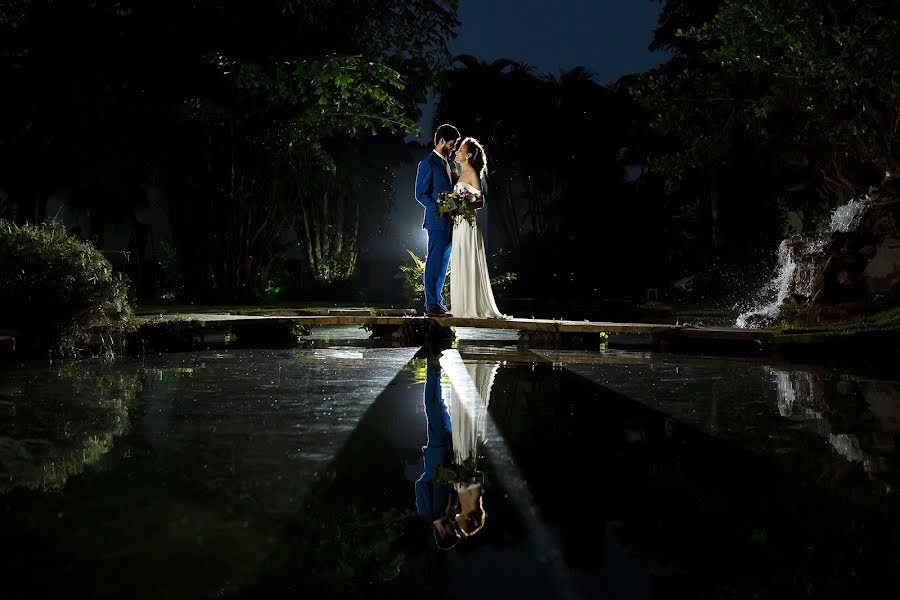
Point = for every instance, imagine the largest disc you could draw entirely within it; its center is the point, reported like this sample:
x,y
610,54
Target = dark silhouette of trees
x,y
804,90
339,210
677,16
557,189
766,109
231,107
491,101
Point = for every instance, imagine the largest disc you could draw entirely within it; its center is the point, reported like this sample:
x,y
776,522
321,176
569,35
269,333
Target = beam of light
x,y
342,409
506,470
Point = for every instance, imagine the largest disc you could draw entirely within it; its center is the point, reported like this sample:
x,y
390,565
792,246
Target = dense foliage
x,y
560,185
229,107
257,118
412,274
58,292
811,89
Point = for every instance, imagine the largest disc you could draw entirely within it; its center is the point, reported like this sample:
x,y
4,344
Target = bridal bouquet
x,y
457,205
465,472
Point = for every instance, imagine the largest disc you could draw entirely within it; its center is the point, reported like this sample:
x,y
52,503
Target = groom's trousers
x,y
432,495
436,262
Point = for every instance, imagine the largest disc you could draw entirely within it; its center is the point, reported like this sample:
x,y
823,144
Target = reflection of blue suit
x,y
432,179
432,496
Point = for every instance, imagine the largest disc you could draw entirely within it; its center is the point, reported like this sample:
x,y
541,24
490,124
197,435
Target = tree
x,y
677,16
491,101
339,210
65,126
261,164
812,85
767,109
228,105
554,144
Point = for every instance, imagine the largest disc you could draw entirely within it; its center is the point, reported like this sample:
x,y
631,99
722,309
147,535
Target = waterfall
x,y
797,267
777,289
847,217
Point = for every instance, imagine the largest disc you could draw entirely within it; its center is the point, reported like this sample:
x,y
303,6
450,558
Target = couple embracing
x,y
454,239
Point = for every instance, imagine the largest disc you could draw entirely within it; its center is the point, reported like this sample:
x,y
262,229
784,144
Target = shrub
x,y
171,272
413,275
57,292
277,282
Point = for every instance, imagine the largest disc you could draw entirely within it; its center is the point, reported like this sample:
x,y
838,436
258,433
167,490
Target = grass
x,y
299,308
807,320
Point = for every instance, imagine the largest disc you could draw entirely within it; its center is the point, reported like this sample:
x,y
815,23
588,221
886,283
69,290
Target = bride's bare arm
x,y
475,201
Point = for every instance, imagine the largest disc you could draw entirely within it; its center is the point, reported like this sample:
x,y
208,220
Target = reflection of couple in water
x,y
449,492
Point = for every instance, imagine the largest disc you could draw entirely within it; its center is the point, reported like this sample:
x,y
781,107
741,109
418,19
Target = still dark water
x,y
287,473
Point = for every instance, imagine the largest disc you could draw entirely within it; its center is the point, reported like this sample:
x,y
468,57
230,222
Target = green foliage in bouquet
x,y
457,205
460,472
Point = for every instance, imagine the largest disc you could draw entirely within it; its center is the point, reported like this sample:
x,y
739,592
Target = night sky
x,y
608,37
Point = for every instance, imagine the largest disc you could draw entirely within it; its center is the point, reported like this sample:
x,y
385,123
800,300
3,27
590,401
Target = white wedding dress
x,y
470,285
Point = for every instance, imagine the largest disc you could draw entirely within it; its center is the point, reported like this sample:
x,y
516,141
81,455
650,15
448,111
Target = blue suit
x,y
432,179
433,496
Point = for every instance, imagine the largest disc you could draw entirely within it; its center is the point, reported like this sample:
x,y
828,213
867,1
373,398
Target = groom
x,y
434,498
435,175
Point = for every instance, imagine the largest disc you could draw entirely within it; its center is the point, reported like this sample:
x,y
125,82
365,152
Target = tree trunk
x,y
715,237
511,220
331,236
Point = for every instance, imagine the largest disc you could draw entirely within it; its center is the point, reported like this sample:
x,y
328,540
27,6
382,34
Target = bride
x,y
470,284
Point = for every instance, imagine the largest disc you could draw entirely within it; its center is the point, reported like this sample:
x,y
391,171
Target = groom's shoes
x,y
437,311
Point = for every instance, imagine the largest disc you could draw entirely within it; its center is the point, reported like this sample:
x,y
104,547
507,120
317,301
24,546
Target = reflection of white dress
x,y
468,409
470,284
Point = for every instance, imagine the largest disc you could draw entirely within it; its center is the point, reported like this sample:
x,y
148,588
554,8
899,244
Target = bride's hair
x,y
478,158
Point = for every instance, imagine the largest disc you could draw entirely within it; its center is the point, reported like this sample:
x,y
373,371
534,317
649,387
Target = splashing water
x,y
847,217
797,267
777,288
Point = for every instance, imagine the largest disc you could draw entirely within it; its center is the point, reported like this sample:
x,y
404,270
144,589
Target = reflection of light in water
x,y
468,411
789,386
786,396
340,355
848,447
796,395
506,469
60,424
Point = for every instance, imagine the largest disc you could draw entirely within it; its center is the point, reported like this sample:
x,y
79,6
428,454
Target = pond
x,y
322,470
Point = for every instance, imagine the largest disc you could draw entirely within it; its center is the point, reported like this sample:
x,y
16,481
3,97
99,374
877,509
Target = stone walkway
x,y
532,333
